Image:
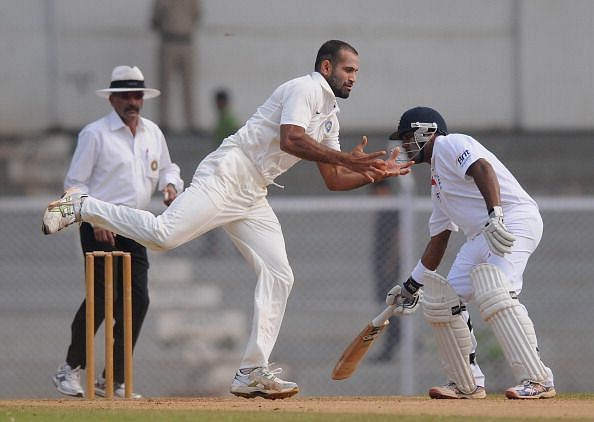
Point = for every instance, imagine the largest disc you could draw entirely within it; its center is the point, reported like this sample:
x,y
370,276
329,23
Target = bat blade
x,y
355,352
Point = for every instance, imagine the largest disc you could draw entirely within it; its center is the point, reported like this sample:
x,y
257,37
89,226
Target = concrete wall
x,y
510,64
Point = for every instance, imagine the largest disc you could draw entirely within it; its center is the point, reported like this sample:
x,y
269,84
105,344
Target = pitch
x,y
329,409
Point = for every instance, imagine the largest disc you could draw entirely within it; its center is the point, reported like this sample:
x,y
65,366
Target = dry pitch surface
x,y
560,408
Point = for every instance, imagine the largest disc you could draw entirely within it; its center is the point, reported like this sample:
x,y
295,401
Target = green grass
x,y
101,415
113,415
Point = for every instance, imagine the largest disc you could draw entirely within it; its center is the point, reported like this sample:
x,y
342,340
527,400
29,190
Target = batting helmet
x,y
419,115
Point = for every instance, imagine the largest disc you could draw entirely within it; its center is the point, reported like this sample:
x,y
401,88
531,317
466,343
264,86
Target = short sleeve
x,y
458,153
298,104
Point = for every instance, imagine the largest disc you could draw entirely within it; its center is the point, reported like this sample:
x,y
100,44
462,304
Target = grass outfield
x,y
566,407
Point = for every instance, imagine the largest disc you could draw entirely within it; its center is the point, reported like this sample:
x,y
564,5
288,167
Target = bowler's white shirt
x,y
308,102
457,202
112,165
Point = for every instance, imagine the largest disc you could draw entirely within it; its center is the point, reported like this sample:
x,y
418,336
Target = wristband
x,y
417,273
412,286
496,211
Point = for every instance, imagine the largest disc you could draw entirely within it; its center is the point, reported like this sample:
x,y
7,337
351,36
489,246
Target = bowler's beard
x,y
338,88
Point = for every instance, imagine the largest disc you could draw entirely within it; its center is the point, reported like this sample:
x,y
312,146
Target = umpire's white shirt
x,y
457,202
111,164
308,102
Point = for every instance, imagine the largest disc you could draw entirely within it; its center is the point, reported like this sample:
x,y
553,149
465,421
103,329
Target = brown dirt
x,y
397,405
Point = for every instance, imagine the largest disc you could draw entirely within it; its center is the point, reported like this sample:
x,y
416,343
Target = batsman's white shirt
x,y
457,202
229,189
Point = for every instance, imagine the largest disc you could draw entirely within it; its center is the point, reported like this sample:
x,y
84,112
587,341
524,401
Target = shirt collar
x,y
116,122
316,76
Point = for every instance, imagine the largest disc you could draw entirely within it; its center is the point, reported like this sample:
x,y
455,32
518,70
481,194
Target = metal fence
x,y
201,301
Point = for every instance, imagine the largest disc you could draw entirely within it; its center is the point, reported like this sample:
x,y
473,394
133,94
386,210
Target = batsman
x,y
473,191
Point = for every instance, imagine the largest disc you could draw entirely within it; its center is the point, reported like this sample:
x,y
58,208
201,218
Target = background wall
x,y
510,64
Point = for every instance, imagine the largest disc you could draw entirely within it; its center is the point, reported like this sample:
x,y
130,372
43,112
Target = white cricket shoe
x,y
67,381
63,212
530,390
451,391
119,390
262,382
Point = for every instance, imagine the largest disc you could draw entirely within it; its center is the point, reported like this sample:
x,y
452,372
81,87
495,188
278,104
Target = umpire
x,y
121,158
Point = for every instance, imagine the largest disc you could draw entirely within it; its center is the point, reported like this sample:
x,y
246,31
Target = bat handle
x,y
383,317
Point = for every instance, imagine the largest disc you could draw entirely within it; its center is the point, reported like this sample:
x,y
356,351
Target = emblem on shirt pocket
x,y
154,165
328,126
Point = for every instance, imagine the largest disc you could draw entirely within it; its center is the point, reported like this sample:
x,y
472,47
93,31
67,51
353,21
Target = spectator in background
x,y
175,21
120,158
386,263
227,123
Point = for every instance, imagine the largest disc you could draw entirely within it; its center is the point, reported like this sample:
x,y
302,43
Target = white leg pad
x,y
442,310
510,323
527,325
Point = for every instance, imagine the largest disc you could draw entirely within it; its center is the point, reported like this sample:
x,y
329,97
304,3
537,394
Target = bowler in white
x,y
229,189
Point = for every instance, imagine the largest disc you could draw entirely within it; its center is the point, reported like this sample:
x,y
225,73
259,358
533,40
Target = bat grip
x,y
383,317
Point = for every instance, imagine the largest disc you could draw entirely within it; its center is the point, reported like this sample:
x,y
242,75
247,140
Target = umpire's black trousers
x,y
140,299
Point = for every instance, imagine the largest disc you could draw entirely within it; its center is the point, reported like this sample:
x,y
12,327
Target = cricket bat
x,y
354,353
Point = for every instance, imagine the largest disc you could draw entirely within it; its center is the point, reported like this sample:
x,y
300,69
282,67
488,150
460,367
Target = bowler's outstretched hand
x,y
396,168
368,164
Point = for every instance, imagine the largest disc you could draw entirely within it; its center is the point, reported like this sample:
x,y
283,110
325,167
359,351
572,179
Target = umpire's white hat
x,y
127,79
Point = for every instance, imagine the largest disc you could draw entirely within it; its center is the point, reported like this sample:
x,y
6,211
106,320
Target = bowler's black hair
x,y
330,50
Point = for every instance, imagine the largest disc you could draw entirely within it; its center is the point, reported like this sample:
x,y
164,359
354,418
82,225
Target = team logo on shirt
x,y
436,186
435,180
154,165
463,158
328,126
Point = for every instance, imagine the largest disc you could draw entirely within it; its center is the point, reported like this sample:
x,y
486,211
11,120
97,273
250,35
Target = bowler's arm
x,y
340,170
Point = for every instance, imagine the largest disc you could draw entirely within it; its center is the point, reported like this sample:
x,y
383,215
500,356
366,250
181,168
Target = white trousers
x,y
476,251
226,191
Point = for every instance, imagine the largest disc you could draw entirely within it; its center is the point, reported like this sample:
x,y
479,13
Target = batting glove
x,y
406,297
499,238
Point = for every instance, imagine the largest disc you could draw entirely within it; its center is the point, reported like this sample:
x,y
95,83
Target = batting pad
x,y
510,322
442,310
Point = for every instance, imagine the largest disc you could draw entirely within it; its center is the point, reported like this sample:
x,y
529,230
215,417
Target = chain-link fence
x,y
202,294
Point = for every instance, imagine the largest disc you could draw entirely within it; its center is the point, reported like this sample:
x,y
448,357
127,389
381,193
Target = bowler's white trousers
x,y
226,191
